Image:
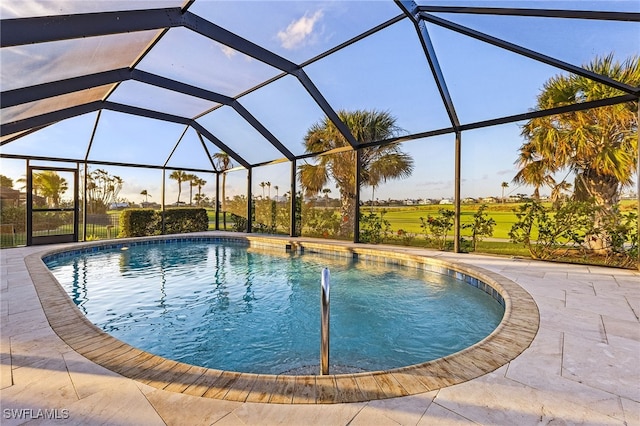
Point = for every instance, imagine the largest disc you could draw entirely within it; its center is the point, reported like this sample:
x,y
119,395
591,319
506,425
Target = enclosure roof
x,y
169,83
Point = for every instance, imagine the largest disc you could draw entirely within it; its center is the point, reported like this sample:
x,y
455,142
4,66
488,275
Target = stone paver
x,y
583,366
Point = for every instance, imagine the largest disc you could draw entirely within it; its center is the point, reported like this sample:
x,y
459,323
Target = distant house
x,y
9,197
117,206
469,200
445,201
490,200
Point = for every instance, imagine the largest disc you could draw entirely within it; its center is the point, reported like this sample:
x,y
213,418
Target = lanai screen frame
x,y
24,31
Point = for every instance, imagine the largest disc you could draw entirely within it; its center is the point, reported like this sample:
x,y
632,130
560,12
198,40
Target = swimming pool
x,y
224,305
513,335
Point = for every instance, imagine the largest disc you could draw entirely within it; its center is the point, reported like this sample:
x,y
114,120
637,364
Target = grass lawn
x,y
407,218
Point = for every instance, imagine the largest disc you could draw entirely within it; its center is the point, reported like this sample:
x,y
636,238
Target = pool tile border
x,y
512,336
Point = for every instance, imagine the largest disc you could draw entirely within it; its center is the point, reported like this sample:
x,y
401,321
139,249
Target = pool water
x,y
230,307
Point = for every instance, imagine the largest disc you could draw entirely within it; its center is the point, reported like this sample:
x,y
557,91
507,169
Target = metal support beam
x,y
242,111
456,198
206,150
356,207
538,13
325,107
21,31
84,201
49,118
411,10
96,162
23,95
217,208
184,132
177,86
529,53
226,37
249,201
29,200
293,231
143,112
164,202
217,142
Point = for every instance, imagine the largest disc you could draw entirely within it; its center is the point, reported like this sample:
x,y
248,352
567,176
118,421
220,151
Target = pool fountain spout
x,y
324,324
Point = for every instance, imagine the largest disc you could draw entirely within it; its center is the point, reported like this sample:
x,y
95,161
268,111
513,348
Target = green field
x,y
407,218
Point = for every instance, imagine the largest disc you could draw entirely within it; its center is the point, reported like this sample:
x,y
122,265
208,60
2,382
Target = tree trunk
x,y
604,191
347,212
224,198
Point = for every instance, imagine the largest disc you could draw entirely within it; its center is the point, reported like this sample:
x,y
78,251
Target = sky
x,y
386,71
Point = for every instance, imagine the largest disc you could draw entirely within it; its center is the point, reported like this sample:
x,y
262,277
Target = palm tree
x,y
146,195
326,192
51,185
276,188
262,184
223,163
199,183
180,177
379,163
504,185
533,173
268,189
191,179
599,145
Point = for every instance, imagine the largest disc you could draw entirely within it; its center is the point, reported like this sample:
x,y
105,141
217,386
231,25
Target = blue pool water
x,y
230,307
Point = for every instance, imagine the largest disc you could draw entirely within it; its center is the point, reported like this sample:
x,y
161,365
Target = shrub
x,y
320,222
179,221
239,223
436,228
145,222
373,227
482,226
15,215
549,232
405,237
139,223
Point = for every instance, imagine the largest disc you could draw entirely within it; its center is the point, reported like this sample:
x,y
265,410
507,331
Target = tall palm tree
x,y
191,178
180,177
599,146
504,185
199,183
262,184
379,163
146,195
276,187
223,163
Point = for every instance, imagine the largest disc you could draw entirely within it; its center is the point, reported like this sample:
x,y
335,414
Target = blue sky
x,y
386,71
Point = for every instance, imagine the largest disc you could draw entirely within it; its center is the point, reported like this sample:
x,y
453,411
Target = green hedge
x,y
140,223
179,221
144,222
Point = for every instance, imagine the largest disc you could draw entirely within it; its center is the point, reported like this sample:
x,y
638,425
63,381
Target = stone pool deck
x,y
583,366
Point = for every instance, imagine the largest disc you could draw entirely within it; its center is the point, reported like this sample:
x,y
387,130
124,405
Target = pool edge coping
x,y
511,337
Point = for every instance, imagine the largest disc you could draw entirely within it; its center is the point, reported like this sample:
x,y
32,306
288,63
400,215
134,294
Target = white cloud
x,y
228,51
298,32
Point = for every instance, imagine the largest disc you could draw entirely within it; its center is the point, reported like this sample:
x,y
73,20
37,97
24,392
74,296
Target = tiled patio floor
x,y
583,366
